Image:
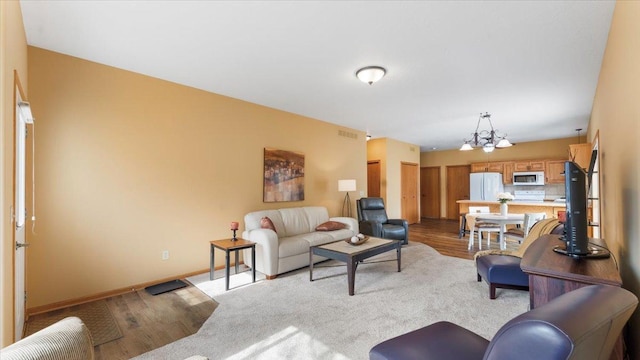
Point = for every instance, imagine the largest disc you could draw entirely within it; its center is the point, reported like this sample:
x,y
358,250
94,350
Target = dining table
x,y
497,218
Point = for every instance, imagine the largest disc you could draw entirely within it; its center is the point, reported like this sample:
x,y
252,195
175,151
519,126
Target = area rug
x,y
95,315
292,318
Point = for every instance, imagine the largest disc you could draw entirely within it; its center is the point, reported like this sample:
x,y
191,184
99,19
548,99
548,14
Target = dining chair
x,y
521,233
480,226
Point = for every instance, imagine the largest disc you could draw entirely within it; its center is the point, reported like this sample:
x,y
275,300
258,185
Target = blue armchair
x,y
373,220
580,324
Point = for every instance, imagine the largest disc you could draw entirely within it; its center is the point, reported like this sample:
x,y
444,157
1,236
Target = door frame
x,y
18,258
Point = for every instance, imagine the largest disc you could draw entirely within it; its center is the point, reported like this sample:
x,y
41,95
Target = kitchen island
x,y
550,208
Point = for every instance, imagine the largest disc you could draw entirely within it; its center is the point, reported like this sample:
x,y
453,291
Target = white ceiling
x,y
533,65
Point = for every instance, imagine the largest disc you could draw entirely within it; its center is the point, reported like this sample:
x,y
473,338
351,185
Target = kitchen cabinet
x,y
531,165
507,174
554,172
478,167
487,167
581,154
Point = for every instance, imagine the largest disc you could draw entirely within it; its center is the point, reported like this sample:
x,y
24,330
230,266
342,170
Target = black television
x,y
576,188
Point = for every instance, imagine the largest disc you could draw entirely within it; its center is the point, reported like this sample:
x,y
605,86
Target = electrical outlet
x,y
165,255
361,193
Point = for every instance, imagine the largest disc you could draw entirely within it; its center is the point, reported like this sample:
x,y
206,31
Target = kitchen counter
x,y
551,208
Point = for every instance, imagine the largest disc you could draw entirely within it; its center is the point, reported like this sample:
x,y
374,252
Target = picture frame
x,y
283,176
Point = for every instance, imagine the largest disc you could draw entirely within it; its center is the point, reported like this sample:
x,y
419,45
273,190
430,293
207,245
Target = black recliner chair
x,y
373,221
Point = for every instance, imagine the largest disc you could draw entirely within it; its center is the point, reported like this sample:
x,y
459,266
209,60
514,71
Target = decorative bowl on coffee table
x,y
359,242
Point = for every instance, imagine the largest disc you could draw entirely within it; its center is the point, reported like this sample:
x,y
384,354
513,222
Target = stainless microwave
x,y
528,178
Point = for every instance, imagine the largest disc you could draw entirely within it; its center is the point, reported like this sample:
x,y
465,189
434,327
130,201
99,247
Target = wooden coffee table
x,y
353,254
229,245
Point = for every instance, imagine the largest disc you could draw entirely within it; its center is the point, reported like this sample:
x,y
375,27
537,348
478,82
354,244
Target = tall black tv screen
x,y
576,224
576,193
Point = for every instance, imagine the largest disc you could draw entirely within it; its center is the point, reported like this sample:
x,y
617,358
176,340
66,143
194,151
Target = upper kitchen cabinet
x,y
581,154
487,167
531,165
554,172
507,173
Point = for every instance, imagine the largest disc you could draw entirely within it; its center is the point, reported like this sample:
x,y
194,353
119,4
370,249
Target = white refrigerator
x,y
485,186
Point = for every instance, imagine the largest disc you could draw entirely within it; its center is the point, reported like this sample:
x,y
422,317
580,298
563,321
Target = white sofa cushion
x,y
296,221
293,245
252,220
341,234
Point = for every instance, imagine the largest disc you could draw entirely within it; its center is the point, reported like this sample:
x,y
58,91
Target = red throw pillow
x,y
266,223
330,226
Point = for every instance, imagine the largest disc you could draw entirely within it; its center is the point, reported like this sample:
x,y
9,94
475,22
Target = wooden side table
x,y
229,245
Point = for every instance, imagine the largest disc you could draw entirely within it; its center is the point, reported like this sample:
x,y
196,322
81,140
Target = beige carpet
x,y
96,315
293,318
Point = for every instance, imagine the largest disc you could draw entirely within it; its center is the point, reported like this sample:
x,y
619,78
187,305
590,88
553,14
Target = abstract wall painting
x,y
283,176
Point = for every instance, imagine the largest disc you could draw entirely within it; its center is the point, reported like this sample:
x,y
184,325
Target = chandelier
x,y
487,139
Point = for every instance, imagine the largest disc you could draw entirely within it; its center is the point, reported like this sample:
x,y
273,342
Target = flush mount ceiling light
x,y
489,140
370,74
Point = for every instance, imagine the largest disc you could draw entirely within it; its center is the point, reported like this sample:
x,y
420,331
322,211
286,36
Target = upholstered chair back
x,y
581,324
372,209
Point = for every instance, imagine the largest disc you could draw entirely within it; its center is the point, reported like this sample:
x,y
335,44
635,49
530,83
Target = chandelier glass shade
x,y
487,139
370,74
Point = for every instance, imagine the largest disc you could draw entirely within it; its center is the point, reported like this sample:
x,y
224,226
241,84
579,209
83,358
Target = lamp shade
x,y
504,143
347,185
466,147
488,147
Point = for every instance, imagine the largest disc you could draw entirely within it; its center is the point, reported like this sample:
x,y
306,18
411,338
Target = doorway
x,y
430,192
22,117
457,189
373,178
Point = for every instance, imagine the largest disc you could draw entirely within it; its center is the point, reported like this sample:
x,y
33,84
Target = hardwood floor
x,y
442,235
148,322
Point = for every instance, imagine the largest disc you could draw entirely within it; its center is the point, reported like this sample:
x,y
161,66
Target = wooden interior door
x,y
409,191
373,178
457,189
430,192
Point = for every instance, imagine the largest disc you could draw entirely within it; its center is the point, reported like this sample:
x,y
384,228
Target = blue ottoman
x,y
501,271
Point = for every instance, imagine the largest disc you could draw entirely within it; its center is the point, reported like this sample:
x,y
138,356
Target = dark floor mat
x,y
165,287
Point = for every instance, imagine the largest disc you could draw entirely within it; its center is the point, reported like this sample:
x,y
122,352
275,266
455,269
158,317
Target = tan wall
x,y
128,166
397,153
547,149
13,57
616,118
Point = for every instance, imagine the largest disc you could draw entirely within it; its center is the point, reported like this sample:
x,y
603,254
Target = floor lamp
x,y
346,185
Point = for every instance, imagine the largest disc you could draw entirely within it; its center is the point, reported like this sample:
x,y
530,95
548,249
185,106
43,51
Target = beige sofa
x,y
67,339
287,248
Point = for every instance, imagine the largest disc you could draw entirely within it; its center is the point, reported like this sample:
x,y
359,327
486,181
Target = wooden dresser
x,y
552,274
